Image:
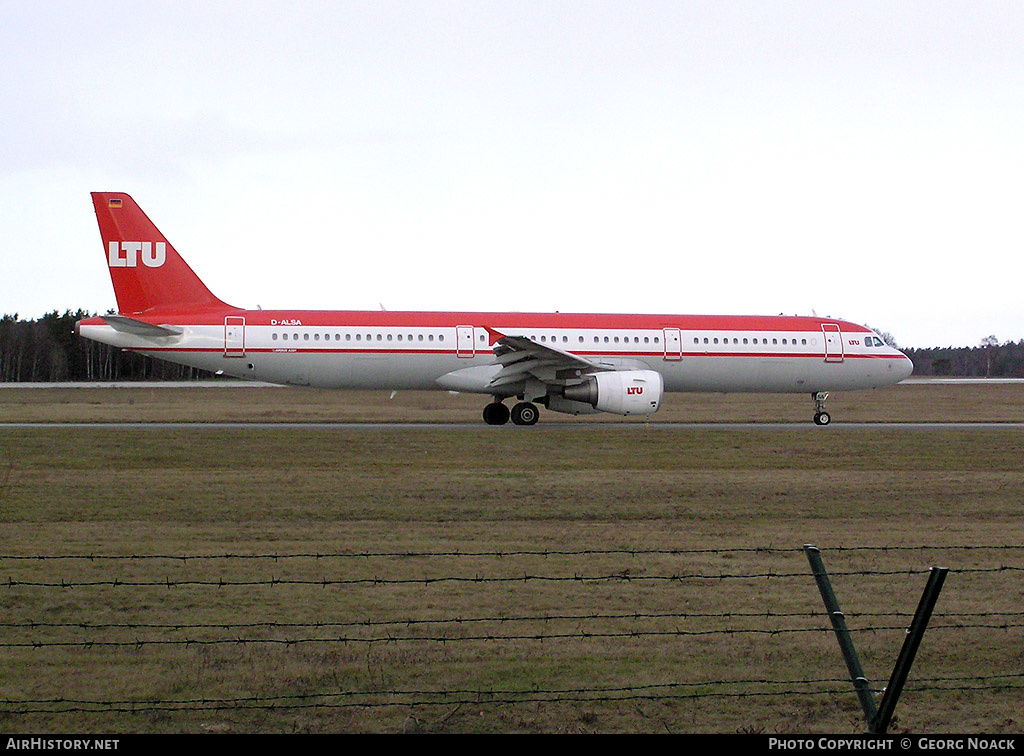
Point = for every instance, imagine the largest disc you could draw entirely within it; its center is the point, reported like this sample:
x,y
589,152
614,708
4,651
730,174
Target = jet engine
x,y
621,392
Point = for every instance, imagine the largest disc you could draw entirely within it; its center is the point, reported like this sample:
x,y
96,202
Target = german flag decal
x,y
114,203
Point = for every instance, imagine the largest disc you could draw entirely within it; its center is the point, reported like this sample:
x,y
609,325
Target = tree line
x,y
990,359
47,349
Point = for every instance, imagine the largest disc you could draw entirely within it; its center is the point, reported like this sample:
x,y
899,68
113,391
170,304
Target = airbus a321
x,y
571,363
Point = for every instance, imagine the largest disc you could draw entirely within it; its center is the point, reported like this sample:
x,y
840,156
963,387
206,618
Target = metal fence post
x,y
915,633
860,682
878,717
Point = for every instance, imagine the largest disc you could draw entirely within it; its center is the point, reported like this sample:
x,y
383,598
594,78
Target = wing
x,y
520,358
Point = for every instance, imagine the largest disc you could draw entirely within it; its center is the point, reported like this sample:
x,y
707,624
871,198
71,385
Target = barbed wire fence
x,y
652,610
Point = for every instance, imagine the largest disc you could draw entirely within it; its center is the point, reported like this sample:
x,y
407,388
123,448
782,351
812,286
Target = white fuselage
x,y
809,356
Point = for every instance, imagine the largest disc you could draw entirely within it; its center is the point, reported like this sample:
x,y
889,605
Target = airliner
x,y
571,363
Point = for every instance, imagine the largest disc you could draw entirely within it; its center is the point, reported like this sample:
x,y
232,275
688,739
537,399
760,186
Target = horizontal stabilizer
x,y
140,327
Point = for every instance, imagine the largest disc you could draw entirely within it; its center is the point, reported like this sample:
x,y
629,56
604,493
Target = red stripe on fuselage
x,y
517,320
485,352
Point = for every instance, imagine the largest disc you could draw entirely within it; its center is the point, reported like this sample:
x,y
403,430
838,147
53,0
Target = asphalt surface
x,y
837,426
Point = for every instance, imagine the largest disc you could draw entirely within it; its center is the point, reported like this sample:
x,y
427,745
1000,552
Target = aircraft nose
x,y
905,367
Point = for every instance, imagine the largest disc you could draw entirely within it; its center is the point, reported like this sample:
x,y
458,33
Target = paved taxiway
x,y
836,427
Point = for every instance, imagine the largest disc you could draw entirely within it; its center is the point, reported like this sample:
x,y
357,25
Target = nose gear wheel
x,y
821,417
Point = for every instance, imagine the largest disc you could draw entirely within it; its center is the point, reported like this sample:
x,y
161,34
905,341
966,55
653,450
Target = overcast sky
x,y
862,160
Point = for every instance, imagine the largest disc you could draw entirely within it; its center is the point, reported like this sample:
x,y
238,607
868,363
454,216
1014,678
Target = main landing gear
x,y
496,413
524,413
821,417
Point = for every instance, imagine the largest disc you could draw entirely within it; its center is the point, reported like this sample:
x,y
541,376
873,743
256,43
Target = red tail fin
x,y
146,271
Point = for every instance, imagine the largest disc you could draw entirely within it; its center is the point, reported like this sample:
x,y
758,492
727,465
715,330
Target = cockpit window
x,y
873,341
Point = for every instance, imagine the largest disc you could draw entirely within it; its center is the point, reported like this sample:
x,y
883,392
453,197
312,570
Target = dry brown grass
x,y
908,402
712,493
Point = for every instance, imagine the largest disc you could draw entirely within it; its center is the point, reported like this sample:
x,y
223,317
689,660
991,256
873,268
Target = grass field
x,y
908,402
609,576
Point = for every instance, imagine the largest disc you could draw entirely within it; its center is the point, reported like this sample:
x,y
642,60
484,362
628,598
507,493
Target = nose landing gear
x,y
821,417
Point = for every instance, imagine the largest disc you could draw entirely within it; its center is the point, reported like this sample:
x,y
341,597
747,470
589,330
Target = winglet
x,y
493,336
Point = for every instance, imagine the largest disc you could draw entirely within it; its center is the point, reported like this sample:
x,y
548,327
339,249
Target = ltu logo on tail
x,y
127,254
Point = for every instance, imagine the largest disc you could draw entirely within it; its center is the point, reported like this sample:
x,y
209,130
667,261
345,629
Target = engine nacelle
x,y
621,392
560,404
